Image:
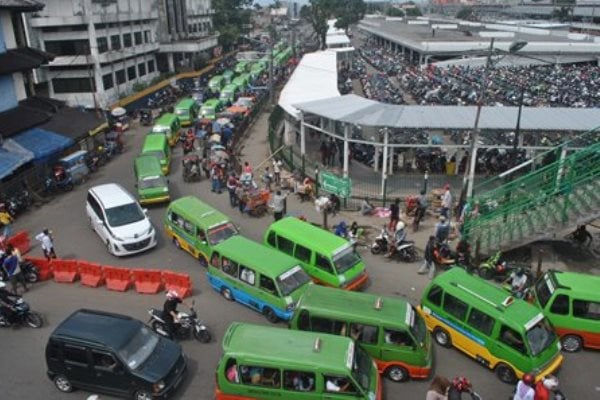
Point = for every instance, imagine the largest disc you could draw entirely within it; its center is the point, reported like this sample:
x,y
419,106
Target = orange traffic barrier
x,y
182,283
20,241
148,281
43,265
66,271
117,278
90,274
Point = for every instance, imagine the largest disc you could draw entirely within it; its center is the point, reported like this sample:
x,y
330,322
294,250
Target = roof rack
x,y
472,293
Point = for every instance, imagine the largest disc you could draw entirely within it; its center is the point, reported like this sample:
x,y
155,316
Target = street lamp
x,y
514,47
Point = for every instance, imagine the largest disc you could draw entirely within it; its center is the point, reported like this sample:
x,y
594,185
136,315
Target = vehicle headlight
x,y
157,387
150,231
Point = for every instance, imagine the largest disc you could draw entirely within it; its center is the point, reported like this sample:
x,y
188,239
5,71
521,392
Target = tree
x,y
348,12
465,13
317,14
230,17
394,12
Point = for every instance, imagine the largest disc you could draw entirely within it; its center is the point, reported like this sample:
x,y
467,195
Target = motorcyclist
x,y
7,302
463,253
399,237
170,314
545,387
459,386
524,389
518,282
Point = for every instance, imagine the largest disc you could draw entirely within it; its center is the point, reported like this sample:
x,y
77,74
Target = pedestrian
x,y
240,197
394,214
277,171
267,179
231,186
247,168
12,268
446,201
428,259
215,179
524,390
47,243
277,204
5,222
442,230
438,390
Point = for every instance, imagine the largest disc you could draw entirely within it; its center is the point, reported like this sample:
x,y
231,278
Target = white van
x,y
119,220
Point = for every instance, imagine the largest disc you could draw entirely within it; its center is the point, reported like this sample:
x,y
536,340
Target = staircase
x,y
539,205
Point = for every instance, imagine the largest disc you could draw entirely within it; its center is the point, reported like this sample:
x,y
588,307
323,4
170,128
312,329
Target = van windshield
x,y
124,215
361,369
345,260
207,110
139,348
221,233
544,288
540,337
291,280
152,182
417,328
182,112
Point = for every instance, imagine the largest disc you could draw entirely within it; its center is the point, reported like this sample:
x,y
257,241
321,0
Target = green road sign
x,y
335,184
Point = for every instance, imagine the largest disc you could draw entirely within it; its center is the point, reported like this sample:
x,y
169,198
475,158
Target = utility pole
x,y
271,38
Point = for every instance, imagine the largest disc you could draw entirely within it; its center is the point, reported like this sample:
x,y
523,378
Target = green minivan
x,y
241,81
168,125
266,363
389,329
216,83
228,93
257,276
241,67
228,76
196,227
156,144
151,184
329,259
210,108
187,111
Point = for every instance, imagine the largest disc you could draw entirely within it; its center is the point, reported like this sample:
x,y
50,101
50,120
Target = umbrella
x,y
437,140
118,112
223,121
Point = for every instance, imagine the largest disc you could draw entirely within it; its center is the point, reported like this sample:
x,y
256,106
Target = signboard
x,y
335,184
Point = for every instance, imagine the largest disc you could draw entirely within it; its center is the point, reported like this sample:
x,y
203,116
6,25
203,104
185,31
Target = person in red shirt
x,y
545,387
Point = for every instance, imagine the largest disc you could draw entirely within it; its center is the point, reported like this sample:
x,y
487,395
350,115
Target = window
x,y
267,284
560,305
302,253
77,355
338,384
141,69
95,206
150,66
328,326
107,81
137,38
253,375
189,228
68,47
131,73
323,263
481,321
512,338
104,361
146,36
230,267
247,275
215,260
120,75
586,309
127,40
115,42
271,239
363,333
72,85
102,44
397,338
435,295
285,245
455,307
299,381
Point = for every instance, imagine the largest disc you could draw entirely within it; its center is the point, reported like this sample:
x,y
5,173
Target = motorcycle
x,y
20,314
380,244
494,268
405,250
188,325
53,185
29,271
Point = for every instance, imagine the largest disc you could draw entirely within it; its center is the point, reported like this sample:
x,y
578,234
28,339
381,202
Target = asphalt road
x,y
22,350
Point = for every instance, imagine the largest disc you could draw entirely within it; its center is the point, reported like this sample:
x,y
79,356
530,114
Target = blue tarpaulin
x,y
9,162
42,143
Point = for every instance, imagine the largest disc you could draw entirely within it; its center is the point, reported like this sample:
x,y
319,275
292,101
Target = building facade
x,y
106,49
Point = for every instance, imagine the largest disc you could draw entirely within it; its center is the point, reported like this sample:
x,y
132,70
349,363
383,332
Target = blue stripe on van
x,y
244,298
458,328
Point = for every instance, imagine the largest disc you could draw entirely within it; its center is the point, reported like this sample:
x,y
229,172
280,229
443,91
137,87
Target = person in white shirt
x,y
525,390
277,171
446,201
47,243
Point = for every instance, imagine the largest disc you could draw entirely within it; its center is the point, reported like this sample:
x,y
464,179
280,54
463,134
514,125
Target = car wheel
x,y
397,373
142,395
506,374
571,343
202,336
34,320
63,384
270,315
442,337
375,250
227,294
176,243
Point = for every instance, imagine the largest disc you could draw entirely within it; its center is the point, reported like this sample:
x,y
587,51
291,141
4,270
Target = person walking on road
x,y
428,259
394,214
446,201
47,243
267,179
278,205
442,230
277,171
231,186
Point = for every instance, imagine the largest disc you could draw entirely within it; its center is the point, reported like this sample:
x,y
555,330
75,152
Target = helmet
x,y
550,383
400,225
172,294
528,379
461,384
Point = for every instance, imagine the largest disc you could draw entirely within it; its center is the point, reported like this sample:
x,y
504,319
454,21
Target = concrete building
x,y
105,47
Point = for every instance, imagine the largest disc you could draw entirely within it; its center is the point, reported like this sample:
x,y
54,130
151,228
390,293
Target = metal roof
x,y
357,110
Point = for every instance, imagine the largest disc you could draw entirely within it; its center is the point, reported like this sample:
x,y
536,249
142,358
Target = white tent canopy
x,y
314,78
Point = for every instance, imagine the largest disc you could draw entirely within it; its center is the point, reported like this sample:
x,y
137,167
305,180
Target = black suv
x,y
113,354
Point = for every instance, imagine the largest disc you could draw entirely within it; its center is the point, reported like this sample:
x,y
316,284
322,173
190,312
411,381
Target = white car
x,y
119,220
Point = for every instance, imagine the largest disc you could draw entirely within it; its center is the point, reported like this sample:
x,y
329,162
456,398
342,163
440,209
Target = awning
x,y
21,118
22,59
42,143
9,162
73,123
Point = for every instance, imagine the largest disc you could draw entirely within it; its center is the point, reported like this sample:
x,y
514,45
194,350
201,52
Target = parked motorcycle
x,y
495,268
405,251
188,325
53,185
380,244
29,271
19,313
16,204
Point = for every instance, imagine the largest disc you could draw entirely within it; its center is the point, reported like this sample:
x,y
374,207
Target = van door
x,y
77,366
300,385
398,345
109,373
185,232
267,294
97,218
336,387
456,312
